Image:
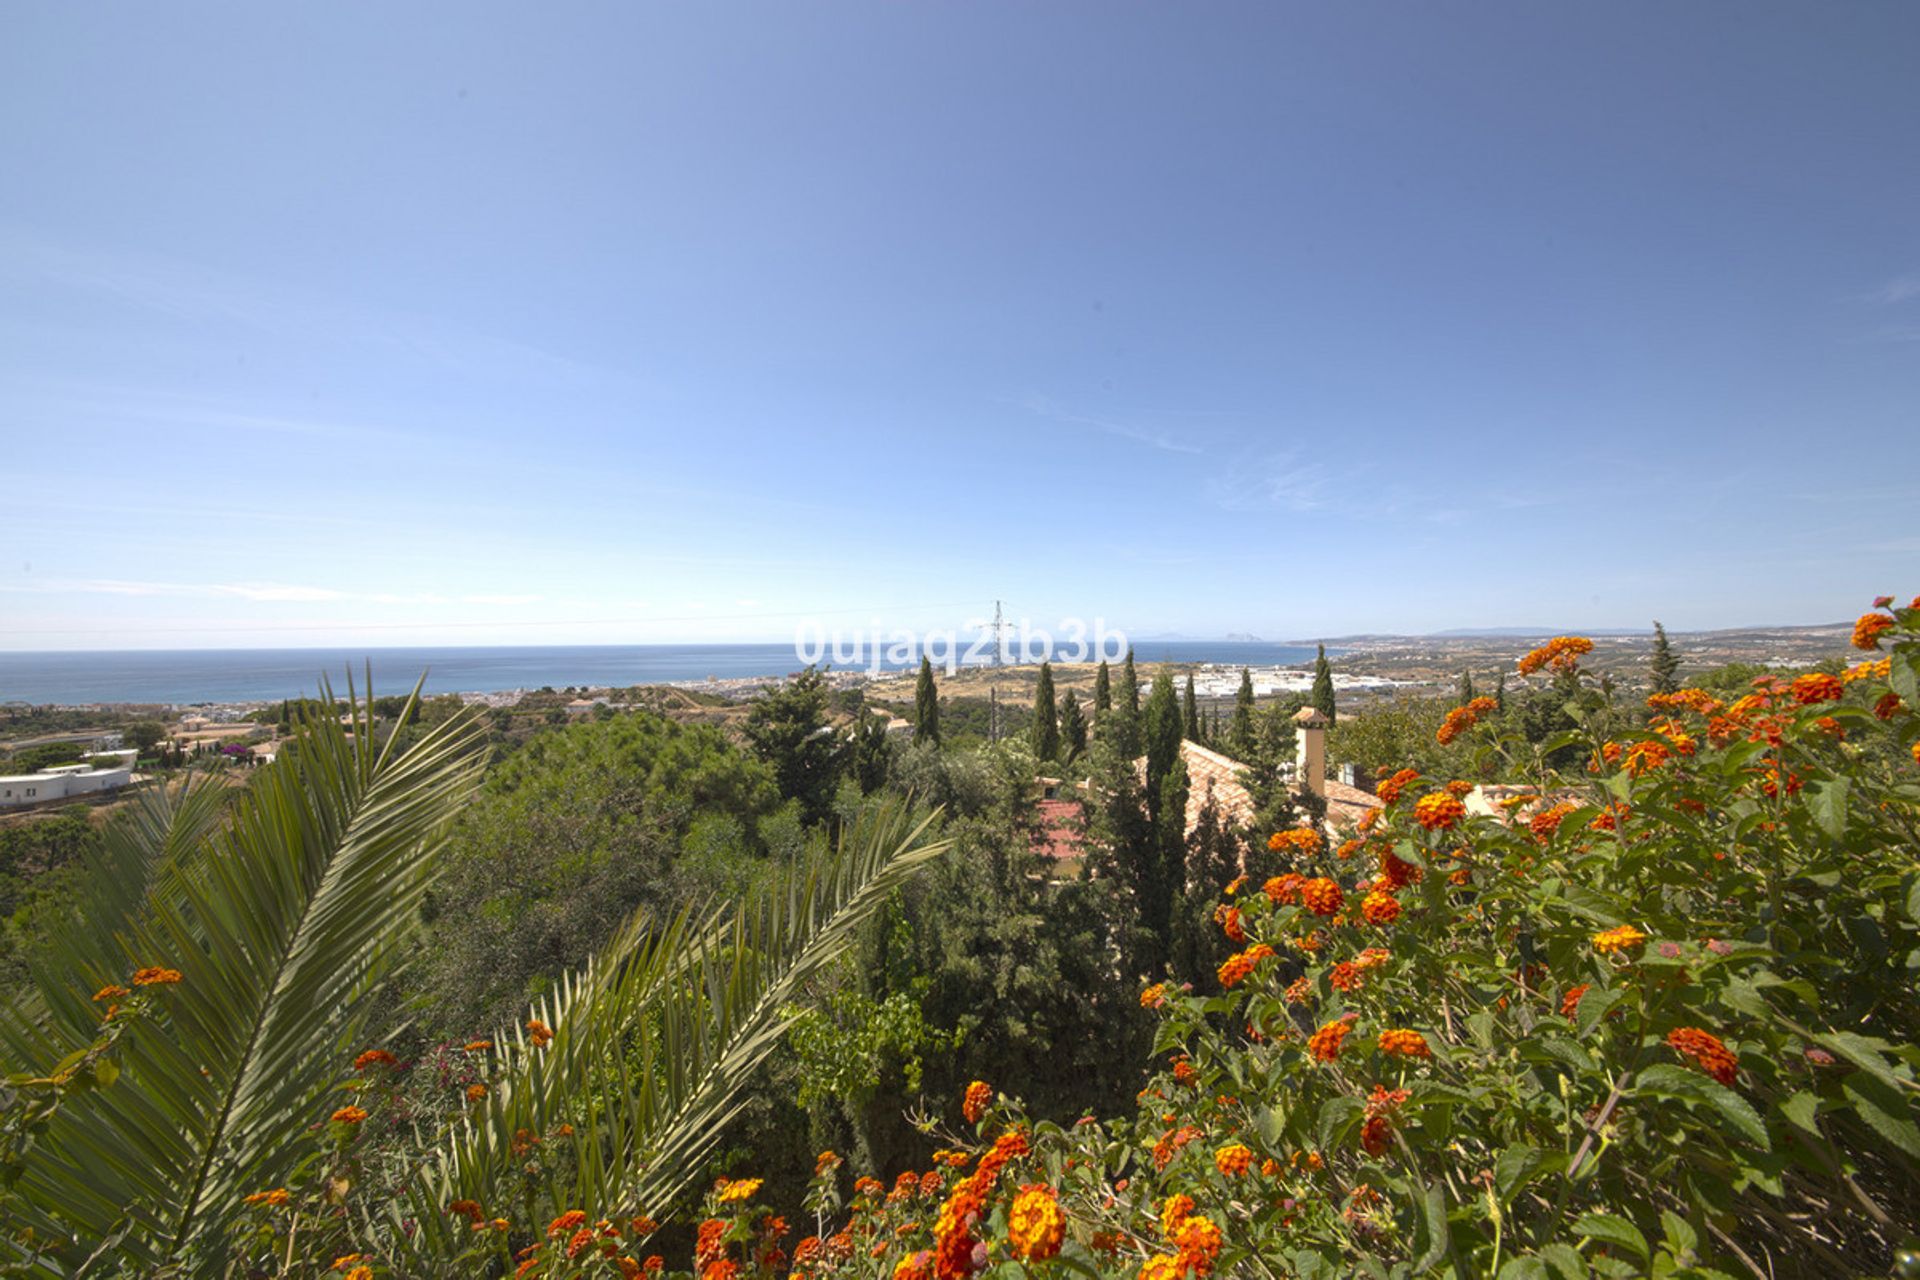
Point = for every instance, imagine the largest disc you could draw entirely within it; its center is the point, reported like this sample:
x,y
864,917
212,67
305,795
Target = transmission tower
x,y
999,640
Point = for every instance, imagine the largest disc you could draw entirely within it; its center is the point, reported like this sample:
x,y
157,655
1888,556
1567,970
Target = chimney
x,y
1310,732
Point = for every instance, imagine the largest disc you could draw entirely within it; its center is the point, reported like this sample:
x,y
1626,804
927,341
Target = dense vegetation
x,y
596,1012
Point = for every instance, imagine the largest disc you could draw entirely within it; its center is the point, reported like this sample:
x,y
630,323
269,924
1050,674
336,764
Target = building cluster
x,y
1213,777
67,781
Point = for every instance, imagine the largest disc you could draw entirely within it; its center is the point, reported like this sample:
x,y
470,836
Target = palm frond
x,y
280,921
655,1038
52,1016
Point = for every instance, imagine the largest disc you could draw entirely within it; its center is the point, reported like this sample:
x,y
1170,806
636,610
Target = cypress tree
x,y
1190,711
1240,737
1125,715
926,706
1102,689
1665,664
1465,688
1073,727
1166,796
1322,697
1500,692
1046,716
1163,731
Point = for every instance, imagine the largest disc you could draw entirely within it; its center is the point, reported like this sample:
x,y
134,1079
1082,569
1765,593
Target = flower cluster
x,y
1562,653
1462,718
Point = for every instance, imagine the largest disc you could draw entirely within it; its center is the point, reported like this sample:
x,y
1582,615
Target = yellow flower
x,y
1608,941
1163,1266
743,1189
1036,1225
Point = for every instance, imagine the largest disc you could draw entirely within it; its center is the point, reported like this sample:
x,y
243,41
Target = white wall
x,y
38,788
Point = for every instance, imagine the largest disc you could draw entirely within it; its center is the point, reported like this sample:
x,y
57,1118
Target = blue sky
x,y
470,323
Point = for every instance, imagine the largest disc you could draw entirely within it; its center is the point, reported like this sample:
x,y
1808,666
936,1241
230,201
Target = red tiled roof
x,y
1059,836
1211,774
1347,805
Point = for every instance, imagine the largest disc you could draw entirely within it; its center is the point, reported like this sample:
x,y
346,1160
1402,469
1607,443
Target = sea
x,y
189,677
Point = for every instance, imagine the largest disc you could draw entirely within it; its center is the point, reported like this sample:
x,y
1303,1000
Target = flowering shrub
x,y
1658,1017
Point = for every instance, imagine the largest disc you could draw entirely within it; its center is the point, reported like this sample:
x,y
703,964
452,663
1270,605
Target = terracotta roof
x,y
1059,834
1211,774
1484,800
1347,805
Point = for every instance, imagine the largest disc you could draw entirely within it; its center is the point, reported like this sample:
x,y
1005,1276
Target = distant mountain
x,y
1461,633
1241,637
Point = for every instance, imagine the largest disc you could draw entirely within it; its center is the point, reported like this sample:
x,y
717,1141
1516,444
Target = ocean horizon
x,y
186,677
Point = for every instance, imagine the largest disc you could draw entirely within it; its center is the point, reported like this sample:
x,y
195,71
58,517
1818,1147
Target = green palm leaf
x,y
281,920
654,1040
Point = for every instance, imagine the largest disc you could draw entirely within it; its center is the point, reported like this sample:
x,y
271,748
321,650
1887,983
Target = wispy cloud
x,y
173,409
1897,290
1280,480
1156,439
180,289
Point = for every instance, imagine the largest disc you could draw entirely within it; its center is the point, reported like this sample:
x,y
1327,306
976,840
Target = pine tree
x,y
1464,690
1073,728
1046,716
926,706
870,754
1665,664
1240,735
1102,689
787,727
1322,697
1190,711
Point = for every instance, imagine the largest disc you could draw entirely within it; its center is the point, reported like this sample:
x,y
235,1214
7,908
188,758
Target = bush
x,y
1657,1017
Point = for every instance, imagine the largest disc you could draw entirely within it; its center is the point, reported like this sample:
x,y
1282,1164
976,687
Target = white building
x,y
64,782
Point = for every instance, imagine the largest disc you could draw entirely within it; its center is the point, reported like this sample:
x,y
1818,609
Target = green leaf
x,y
1802,1110
1885,1109
1337,1115
1565,1261
1666,1081
1681,1237
1512,1169
1433,1230
1612,1230
1827,801
1272,1125
1904,674
1524,1269
1565,738
1863,1052
1595,1005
